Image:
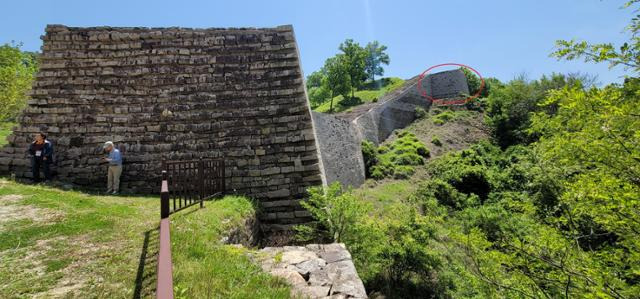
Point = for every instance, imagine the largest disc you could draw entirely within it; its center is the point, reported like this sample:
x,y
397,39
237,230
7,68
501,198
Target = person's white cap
x,y
107,144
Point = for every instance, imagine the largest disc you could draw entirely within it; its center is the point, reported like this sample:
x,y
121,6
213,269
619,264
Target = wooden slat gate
x,y
193,181
185,183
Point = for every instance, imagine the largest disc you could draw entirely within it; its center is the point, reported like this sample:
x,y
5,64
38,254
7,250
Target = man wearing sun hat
x,y
115,167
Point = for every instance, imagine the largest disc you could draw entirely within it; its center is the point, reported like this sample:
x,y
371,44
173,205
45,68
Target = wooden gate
x,y
191,182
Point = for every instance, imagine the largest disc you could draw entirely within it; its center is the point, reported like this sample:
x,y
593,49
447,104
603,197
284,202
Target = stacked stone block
x,y
179,94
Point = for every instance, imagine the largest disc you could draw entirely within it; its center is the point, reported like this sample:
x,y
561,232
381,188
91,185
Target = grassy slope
x,y
464,129
390,198
5,130
62,243
365,96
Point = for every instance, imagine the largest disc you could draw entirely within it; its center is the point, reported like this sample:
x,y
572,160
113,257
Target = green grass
x,y
5,130
72,244
204,268
385,196
362,96
439,116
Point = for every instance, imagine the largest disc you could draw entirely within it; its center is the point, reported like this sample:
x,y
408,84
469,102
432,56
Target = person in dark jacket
x,y
41,151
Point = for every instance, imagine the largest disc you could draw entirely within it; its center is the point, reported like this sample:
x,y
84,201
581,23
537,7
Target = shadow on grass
x,y
146,276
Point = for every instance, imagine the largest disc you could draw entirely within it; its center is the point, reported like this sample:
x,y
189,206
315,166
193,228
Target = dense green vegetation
x,y
552,217
547,208
63,243
395,160
5,131
17,69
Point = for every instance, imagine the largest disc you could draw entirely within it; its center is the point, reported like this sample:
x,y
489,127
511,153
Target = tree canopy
x,y
359,64
17,69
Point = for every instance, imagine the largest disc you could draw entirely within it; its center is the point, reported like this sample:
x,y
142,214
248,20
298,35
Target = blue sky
x,y
498,38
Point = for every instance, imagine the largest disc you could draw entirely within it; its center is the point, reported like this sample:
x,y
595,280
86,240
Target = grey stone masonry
x,y
340,149
315,270
174,93
340,136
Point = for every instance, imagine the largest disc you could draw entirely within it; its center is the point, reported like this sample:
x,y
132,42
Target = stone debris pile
x,y
315,270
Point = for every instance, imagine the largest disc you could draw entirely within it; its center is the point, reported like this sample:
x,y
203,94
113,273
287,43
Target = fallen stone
x,y
312,276
304,268
315,291
290,276
297,256
319,278
335,256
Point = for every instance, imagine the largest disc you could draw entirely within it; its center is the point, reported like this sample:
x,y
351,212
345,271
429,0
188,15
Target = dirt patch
x,y
81,252
11,198
12,210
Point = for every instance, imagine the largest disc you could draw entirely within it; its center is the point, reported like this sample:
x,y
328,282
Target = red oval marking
x,y
443,102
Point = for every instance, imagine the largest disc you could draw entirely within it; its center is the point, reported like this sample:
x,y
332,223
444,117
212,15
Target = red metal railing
x,y
191,182
164,287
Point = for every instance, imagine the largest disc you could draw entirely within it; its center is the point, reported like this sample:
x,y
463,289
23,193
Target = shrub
x,y
369,155
443,117
405,151
336,211
420,113
472,180
446,115
438,122
377,173
407,159
403,172
445,194
436,141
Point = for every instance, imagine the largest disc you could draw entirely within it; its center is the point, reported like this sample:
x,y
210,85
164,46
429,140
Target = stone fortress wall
x,y
341,136
178,94
174,93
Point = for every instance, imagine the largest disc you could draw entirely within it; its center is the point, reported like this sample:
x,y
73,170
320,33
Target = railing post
x,y
164,196
201,181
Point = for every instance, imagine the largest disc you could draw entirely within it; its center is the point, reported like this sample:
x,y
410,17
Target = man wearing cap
x,y
115,167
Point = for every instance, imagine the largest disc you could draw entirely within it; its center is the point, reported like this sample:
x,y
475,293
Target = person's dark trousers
x,y
36,163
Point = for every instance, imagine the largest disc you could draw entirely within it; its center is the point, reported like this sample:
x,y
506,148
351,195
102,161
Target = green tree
x,y
317,87
593,140
17,69
354,61
336,212
509,106
337,77
376,57
316,79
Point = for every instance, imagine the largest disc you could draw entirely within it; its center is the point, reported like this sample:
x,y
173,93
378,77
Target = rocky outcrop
x,y
174,93
315,270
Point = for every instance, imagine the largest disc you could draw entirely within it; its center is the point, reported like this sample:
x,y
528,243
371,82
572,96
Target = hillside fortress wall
x,y
341,136
174,93
235,94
